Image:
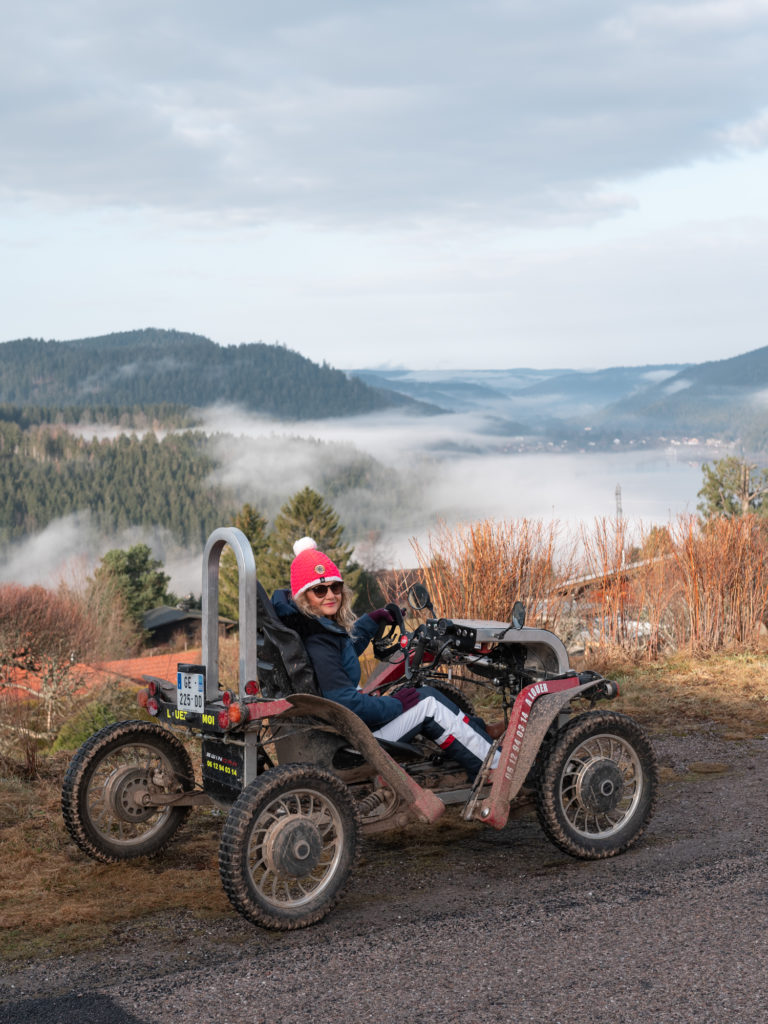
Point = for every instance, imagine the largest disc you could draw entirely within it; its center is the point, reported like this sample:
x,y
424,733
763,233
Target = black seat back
x,y
283,666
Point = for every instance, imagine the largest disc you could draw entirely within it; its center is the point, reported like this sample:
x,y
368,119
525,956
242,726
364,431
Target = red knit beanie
x,y
310,567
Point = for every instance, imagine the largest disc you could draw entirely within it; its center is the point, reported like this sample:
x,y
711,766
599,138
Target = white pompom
x,y
305,544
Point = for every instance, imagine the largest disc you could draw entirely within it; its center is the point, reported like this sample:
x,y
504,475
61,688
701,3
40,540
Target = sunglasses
x,y
322,589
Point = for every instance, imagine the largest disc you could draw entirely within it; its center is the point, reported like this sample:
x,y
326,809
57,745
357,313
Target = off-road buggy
x,y
302,777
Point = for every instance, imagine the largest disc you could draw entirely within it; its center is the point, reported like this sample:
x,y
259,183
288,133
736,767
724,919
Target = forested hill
x,y
150,367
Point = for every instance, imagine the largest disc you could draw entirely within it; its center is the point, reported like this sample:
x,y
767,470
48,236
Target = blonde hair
x,y
344,616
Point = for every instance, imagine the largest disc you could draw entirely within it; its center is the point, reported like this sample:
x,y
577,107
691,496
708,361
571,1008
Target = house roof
x,y
165,615
161,666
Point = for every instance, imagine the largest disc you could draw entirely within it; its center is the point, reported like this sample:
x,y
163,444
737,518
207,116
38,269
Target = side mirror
x,y
518,615
418,598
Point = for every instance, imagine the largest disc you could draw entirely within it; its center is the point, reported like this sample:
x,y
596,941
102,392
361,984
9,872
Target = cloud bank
x,y
337,112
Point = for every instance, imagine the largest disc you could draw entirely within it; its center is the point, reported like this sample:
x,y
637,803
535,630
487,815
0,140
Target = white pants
x,y
454,727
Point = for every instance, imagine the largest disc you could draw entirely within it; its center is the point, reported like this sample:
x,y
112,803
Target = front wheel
x,y
288,846
597,788
107,795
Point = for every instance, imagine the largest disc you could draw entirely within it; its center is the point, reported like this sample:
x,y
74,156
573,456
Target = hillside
x,y
723,399
151,367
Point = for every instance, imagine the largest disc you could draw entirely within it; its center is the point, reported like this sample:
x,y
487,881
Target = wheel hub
x,y
128,793
293,846
601,786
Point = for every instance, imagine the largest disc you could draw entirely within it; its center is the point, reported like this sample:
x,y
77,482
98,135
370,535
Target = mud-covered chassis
x,y
303,777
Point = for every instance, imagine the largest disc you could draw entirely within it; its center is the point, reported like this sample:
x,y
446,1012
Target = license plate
x,y
190,691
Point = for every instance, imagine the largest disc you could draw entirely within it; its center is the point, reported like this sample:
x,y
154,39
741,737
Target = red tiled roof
x,y
162,666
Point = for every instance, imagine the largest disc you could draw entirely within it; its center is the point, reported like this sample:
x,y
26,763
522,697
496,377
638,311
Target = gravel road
x,y
460,924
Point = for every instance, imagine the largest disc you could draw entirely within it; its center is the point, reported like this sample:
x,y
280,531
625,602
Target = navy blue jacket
x,y
334,655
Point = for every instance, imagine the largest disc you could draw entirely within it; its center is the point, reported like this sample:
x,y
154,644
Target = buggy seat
x,y
283,665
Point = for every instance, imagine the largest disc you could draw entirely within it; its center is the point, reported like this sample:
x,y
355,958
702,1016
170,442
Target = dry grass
x,y
55,899
727,690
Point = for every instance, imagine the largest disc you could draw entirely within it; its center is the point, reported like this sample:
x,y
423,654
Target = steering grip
x,y
413,662
385,643
397,614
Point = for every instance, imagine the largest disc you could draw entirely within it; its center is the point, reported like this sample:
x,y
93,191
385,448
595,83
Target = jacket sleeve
x,y
363,631
325,653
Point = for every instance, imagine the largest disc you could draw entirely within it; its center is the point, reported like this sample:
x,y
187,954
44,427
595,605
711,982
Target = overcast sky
x,y
425,183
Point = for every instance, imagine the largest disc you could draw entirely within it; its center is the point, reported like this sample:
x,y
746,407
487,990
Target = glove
x,y
381,615
408,697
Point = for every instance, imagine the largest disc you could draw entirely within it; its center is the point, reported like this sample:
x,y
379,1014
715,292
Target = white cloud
x,y
464,182
335,113
69,549
678,385
689,17
657,376
749,134
46,557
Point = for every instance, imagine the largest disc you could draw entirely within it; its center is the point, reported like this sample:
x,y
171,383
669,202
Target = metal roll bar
x,y
246,569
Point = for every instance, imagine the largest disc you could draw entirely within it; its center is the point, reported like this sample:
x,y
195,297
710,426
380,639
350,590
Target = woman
x,y
318,607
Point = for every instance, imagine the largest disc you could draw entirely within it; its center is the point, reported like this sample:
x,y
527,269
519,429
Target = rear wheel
x,y
107,795
597,788
288,846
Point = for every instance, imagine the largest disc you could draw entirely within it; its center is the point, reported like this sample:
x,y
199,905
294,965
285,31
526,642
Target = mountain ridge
x,y
150,366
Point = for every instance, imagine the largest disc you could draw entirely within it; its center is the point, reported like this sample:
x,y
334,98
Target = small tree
x,y
254,526
137,578
43,635
306,514
732,487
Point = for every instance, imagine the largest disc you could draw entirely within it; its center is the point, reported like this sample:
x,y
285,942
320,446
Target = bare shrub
x,y
480,570
701,586
704,586
45,636
723,578
40,637
604,561
628,591
113,632
655,593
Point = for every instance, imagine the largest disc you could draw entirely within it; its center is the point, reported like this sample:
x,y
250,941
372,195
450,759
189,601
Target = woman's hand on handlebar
x,y
389,620
382,616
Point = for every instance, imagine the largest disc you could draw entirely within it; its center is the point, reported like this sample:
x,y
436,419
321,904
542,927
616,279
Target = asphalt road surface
x,y
459,924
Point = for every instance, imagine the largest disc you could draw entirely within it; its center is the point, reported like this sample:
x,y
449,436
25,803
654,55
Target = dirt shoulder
x,y
460,923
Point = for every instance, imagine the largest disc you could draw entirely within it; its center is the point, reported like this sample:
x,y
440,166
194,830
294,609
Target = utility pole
x,y
619,512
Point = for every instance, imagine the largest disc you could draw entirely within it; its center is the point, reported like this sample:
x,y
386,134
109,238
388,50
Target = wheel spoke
x,y
303,813
147,764
619,763
107,792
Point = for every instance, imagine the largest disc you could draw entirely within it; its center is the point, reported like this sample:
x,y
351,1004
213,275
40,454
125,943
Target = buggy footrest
x,y
395,747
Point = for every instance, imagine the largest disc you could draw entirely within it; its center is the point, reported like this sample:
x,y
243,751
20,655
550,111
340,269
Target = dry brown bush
x,y
480,570
722,570
694,586
701,587
45,636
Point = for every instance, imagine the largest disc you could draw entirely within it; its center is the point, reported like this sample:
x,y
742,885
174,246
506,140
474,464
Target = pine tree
x,y
254,526
733,487
306,514
137,577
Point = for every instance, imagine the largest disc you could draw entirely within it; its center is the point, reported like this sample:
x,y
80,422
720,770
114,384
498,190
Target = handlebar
x,y
436,636
386,641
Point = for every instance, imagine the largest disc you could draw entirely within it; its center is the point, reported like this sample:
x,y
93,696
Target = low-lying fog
x,y
390,477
